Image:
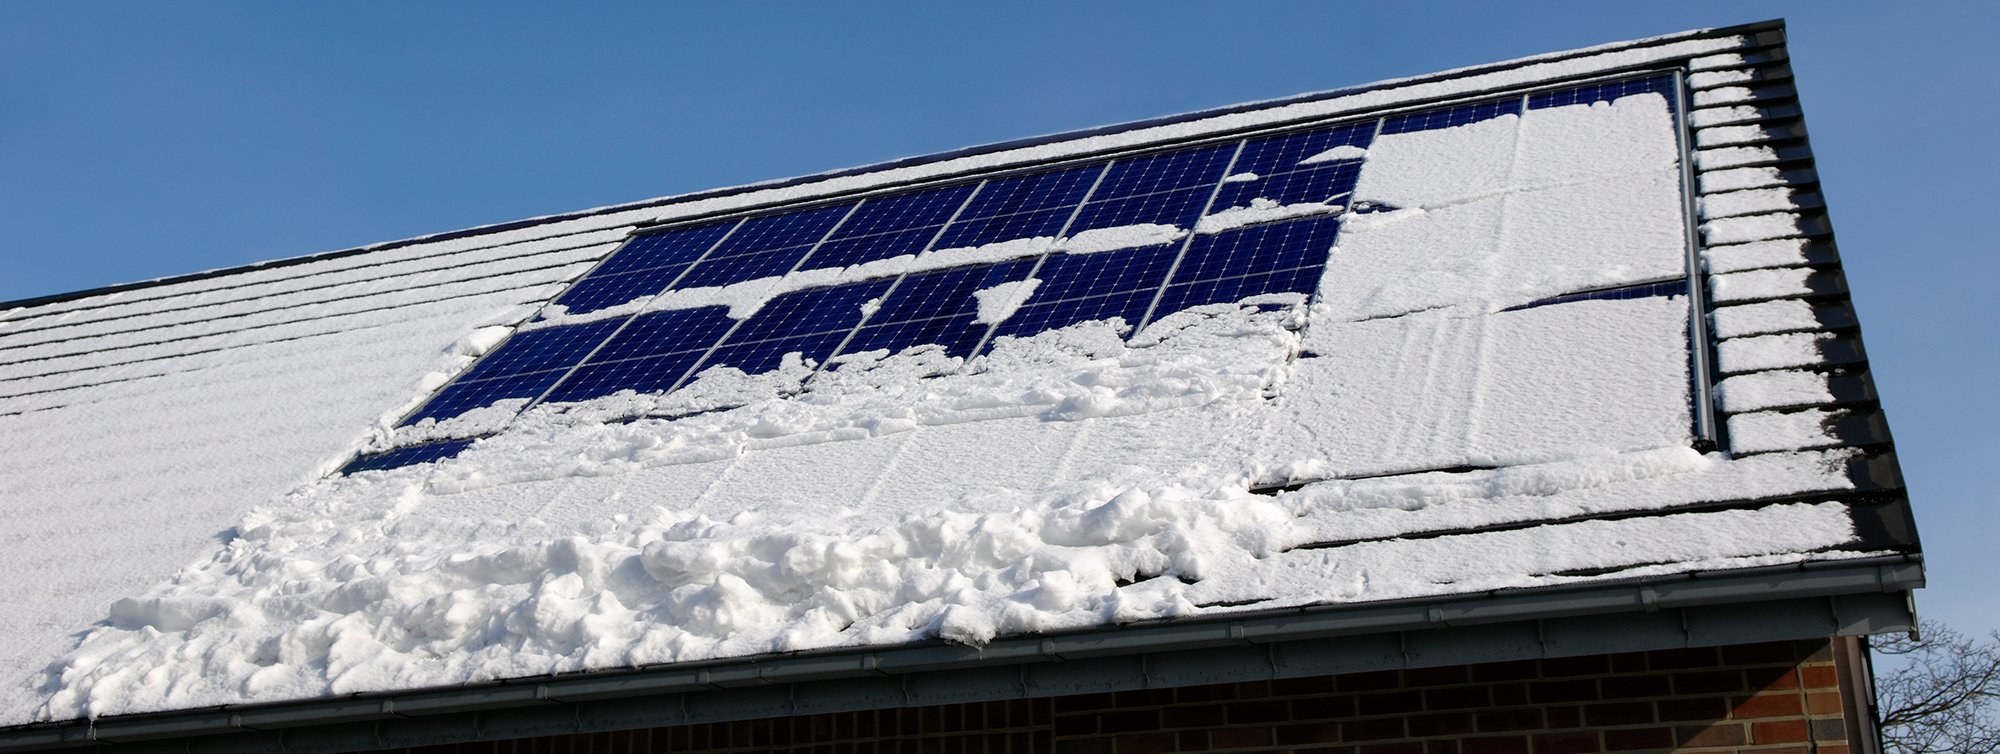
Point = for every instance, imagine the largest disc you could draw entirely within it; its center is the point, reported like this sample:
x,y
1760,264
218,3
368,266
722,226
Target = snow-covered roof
x,y
1483,388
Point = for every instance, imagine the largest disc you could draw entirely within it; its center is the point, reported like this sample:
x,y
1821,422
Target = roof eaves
x,y
1799,601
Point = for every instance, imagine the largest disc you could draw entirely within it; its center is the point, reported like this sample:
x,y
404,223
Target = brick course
x,y
1772,698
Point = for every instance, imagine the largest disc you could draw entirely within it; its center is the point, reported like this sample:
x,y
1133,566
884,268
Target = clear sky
x,y
144,140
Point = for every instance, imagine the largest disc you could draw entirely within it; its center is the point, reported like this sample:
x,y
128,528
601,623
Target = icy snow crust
x,y
860,505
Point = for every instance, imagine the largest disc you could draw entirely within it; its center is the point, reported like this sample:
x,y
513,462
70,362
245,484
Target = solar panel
x,y
1138,245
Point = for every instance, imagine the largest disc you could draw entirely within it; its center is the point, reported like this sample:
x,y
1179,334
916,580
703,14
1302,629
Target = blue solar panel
x,y
1027,193
1662,85
661,249
1279,154
958,335
1260,248
1329,184
464,395
720,271
1165,172
665,332
1233,289
653,373
945,293
762,356
1180,208
1451,116
541,350
922,209
406,456
604,291
1076,276
1034,318
802,228
810,311
843,252
974,232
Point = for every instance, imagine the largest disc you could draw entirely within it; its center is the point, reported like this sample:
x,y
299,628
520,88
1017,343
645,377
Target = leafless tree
x,y
1939,701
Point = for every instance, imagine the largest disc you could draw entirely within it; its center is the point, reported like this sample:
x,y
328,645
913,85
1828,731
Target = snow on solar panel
x,y
1131,240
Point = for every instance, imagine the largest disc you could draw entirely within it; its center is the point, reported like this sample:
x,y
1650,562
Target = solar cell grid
x,y
957,334
1077,276
660,249
1278,154
1187,168
665,332
719,271
407,456
463,396
1280,246
1319,183
791,229
1662,84
654,373
1231,289
1037,191
809,311
604,291
1129,305
845,252
1178,208
539,350
974,232
921,209
765,355
1452,116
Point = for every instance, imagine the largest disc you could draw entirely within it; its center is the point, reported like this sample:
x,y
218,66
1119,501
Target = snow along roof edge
x,y
1746,30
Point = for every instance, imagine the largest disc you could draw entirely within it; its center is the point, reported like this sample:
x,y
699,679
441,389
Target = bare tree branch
x,y
1939,701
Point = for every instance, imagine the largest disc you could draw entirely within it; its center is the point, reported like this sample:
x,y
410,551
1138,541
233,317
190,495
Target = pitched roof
x,y
1485,401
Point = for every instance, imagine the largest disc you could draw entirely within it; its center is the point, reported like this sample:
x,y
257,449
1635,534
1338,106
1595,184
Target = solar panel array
x,y
608,333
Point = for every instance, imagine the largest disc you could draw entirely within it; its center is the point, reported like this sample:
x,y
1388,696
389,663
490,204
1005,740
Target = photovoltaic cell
x,y
1232,289
409,456
1188,168
541,350
1318,183
1279,154
650,374
720,271
809,311
1179,208
463,395
1451,116
605,291
1035,318
1077,276
762,234
844,252
918,210
1662,85
678,247
765,355
1027,193
957,334
1263,248
979,231
656,333
935,308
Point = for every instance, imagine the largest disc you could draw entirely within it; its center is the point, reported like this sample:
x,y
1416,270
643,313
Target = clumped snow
x,y
857,503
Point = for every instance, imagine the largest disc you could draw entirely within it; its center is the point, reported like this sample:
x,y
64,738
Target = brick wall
x,y
1781,697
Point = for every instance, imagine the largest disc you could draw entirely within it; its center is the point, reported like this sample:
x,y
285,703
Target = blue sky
x,y
143,140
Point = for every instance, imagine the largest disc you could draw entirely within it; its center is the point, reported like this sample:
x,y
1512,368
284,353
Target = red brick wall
x,y
1767,698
